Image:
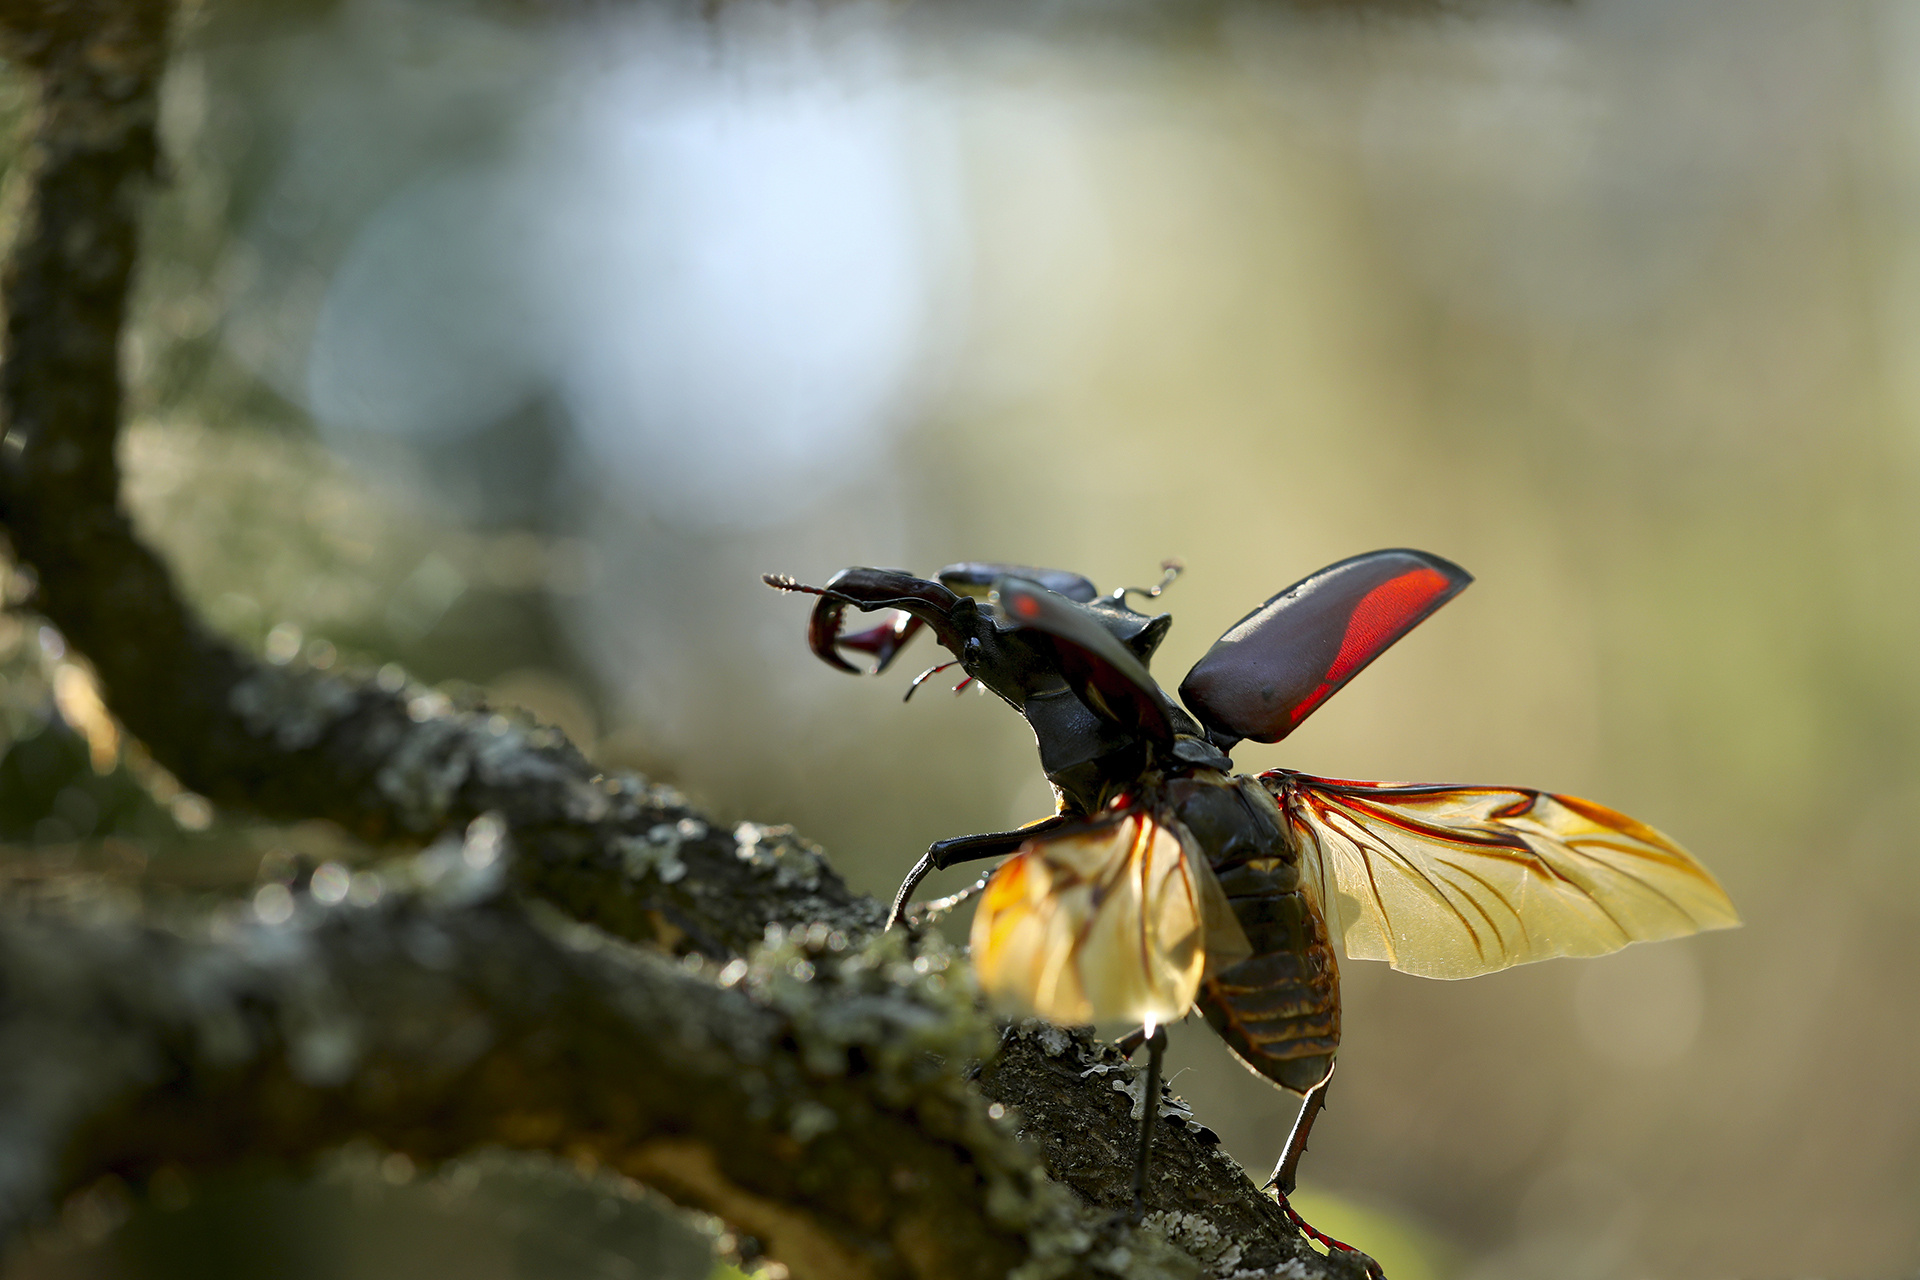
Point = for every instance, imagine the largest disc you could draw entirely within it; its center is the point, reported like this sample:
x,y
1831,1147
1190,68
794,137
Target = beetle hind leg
x,y
1327,1242
1288,1168
1285,1172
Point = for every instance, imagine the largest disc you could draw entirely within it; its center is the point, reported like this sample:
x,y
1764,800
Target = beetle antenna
x,y
927,675
1170,568
783,582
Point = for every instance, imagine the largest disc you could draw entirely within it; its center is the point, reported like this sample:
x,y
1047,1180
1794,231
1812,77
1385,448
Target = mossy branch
x,y
760,1053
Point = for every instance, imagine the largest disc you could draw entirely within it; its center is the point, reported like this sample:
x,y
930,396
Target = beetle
x,y
1164,882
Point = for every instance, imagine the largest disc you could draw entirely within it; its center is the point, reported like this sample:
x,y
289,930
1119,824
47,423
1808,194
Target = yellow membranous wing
x,y
1450,882
1116,921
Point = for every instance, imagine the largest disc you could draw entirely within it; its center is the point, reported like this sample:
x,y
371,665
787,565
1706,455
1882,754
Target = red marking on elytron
x,y
1381,613
1026,606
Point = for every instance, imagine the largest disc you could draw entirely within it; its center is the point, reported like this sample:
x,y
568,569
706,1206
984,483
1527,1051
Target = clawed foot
x,y
1326,1241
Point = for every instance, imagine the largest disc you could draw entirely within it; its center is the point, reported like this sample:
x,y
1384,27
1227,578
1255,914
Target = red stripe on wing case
x,y
1375,624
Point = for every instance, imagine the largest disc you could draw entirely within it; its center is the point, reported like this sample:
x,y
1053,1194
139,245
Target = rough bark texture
x,y
763,1054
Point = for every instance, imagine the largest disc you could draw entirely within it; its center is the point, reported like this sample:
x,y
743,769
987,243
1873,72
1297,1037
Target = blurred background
x,y
512,342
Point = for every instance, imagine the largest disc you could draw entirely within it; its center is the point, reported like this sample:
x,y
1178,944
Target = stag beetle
x,y
1163,881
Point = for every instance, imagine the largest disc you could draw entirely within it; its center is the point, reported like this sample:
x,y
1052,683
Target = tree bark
x,y
575,964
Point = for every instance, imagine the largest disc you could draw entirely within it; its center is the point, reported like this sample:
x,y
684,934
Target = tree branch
x,y
817,1094
443,1020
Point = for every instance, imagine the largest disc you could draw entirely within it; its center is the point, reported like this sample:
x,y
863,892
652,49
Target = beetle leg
x,y
1327,1242
1288,1168
927,675
1282,1181
907,886
949,853
1156,1042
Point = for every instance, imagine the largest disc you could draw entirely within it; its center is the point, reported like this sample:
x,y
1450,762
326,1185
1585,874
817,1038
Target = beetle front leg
x,y
942,854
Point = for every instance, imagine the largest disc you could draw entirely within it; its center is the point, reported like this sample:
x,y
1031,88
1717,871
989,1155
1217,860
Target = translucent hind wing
x,y
1451,882
1104,924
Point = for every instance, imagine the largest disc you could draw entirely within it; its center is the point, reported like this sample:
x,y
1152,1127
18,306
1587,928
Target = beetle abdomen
x,y
1279,1009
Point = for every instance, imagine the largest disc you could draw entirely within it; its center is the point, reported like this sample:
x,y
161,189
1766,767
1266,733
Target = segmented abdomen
x,y
1279,1009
